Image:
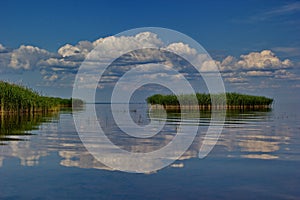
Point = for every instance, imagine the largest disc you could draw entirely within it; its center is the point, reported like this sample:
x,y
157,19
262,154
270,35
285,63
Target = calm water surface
x,y
256,157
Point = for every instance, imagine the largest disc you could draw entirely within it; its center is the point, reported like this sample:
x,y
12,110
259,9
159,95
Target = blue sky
x,y
223,28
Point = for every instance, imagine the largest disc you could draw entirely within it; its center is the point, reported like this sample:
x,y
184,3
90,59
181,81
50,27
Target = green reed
x,y
232,99
16,98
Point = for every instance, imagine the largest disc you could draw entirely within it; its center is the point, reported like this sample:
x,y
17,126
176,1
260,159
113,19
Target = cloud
x,y
257,73
62,66
77,52
276,12
112,46
27,57
255,69
283,10
58,62
2,48
290,51
53,77
236,79
182,49
70,56
4,58
286,75
279,14
4,61
264,60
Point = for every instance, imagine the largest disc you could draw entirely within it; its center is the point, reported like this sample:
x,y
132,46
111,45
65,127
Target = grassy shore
x,y
233,101
17,99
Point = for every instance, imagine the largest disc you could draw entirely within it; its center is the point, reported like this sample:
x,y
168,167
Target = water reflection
x,y
247,135
16,131
259,136
13,125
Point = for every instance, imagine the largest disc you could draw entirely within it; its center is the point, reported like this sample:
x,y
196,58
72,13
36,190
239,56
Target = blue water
x,y
256,157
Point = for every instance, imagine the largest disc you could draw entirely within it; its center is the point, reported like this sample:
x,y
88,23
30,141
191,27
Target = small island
x,y
233,101
19,99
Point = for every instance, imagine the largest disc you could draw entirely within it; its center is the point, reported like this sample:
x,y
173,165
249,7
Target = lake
x,y
256,157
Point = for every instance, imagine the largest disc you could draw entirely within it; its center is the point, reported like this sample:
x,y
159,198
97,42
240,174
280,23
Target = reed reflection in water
x,y
16,132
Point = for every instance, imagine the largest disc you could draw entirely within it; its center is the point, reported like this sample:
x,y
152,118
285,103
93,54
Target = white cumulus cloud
x,y
27,57
111,47
264,60
79,51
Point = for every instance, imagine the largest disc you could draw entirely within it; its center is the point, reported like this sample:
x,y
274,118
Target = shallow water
x,y
256,157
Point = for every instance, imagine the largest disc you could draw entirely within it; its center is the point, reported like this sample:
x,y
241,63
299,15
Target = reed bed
x,y
17,99
204,101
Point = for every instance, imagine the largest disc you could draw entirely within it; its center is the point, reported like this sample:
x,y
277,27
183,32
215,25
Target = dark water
x,y
256,157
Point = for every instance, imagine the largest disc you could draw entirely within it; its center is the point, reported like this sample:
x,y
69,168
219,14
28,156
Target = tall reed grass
x,y
16,98
233,100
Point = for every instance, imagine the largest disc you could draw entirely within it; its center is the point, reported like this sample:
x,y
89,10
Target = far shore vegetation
x,y
233,101
18,99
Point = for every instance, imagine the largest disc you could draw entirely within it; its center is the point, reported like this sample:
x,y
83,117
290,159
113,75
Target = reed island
x,y
233,101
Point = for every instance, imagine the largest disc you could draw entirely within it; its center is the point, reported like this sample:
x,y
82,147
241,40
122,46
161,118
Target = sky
x,y
256,44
